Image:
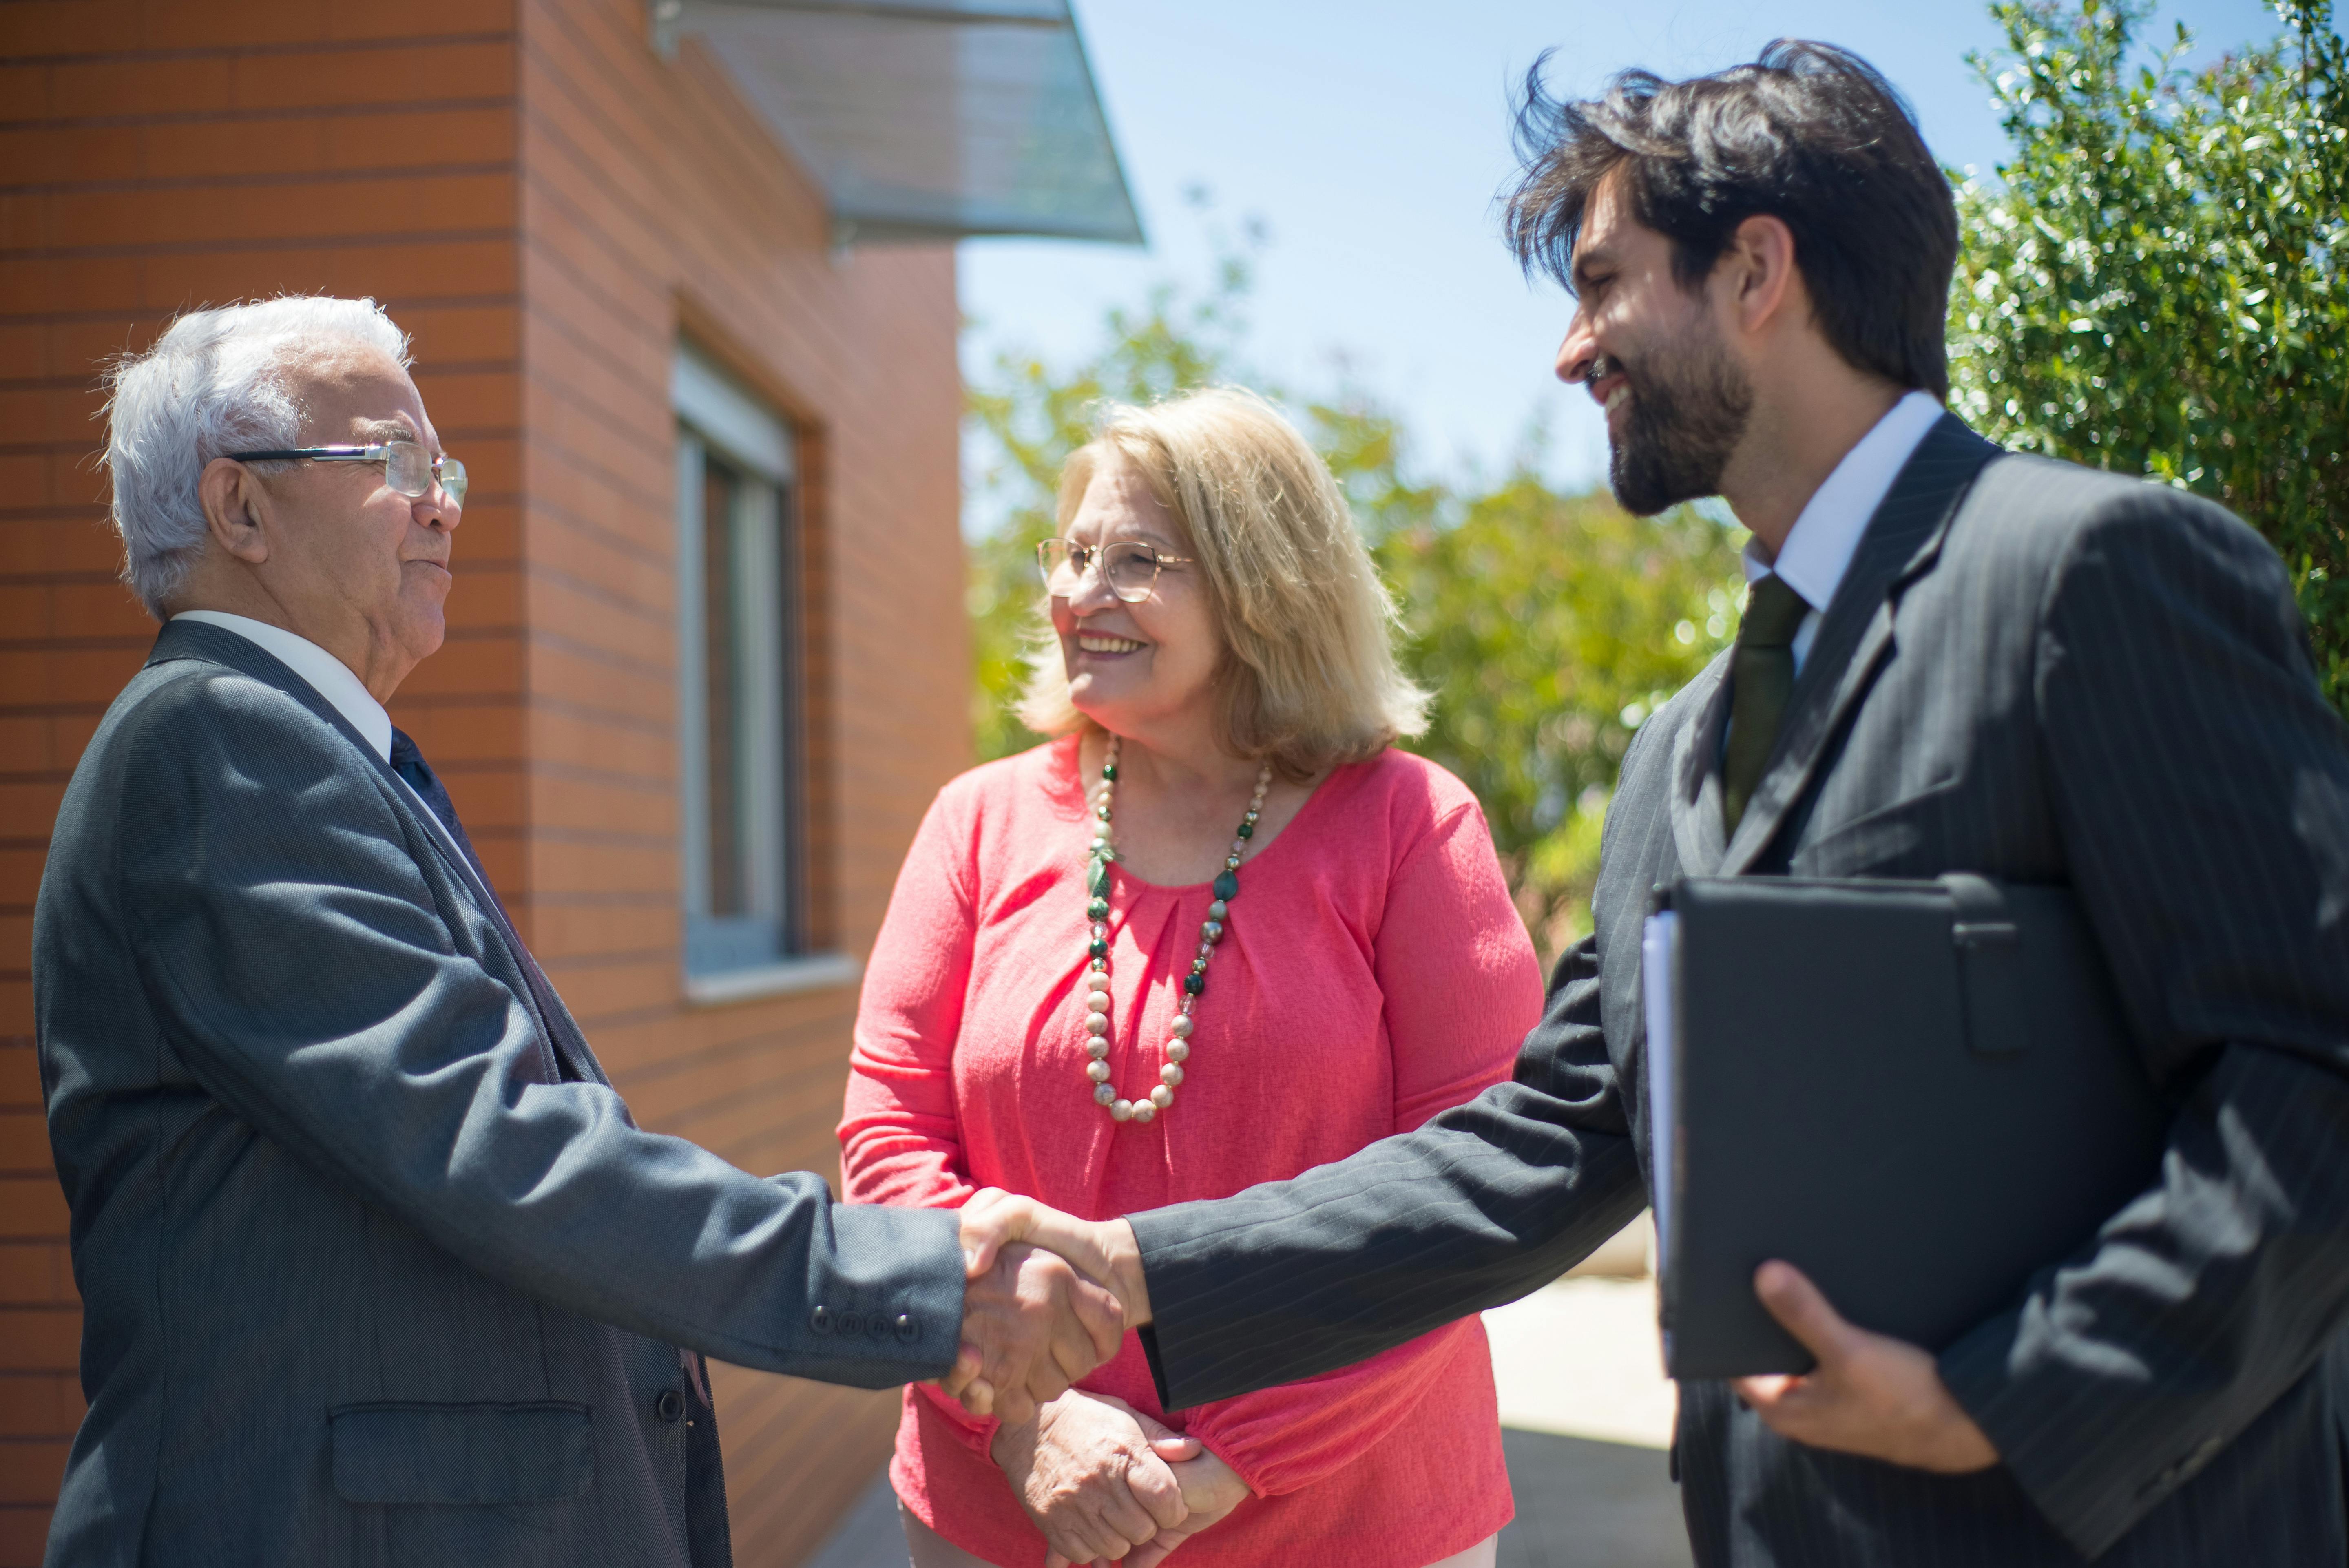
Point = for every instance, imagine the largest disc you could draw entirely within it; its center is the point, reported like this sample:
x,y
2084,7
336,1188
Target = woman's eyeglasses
x,y
407,467
1128,566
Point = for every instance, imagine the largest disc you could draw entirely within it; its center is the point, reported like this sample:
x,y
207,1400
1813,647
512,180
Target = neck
x,y
1792,442
377,664
1182,760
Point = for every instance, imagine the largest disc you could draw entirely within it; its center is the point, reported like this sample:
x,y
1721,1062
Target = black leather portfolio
x,y
1919,1093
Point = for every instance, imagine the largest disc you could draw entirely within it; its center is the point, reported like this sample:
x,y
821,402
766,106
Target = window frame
x,y
767,949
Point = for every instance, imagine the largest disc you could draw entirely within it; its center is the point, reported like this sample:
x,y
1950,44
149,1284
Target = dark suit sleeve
x,y
1485,1203
295,956
2202,791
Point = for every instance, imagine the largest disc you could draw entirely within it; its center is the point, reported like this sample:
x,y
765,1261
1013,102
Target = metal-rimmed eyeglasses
x,y
407,467
1128,566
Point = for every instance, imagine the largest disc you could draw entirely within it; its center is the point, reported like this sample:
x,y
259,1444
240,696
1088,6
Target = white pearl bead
x,y
1180,1027
1122,1111
1104,1094
1161,1097
1097,1048
1170,1074
1097,1023
1097,1071
1176,1051
1145,1111
1097,1002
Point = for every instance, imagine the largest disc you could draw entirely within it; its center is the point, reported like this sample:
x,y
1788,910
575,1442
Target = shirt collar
x,y
327,675
1819,547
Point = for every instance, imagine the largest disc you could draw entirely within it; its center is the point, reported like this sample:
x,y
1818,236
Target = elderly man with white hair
x,y
375,1266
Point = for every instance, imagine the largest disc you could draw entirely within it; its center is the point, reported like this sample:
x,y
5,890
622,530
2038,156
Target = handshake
x,y
1049,1299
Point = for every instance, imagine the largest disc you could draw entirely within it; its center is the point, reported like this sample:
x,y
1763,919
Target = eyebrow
x,y
1598,257
380,430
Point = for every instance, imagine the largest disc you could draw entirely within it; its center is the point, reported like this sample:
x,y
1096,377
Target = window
x,y
740,743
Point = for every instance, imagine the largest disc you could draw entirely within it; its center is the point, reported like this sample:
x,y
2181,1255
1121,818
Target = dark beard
x,y
1690,402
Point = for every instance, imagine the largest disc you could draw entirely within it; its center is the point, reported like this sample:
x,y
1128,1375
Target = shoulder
x,y
180,714
1039,774
2044,515
1402,798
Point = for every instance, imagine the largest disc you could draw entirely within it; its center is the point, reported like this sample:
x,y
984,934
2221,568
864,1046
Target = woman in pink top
x,y
1216,934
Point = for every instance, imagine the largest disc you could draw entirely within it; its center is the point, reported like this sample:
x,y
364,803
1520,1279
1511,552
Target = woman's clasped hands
x,y
1105,1482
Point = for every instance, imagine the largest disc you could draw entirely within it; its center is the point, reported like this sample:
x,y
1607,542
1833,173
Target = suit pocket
x,y
462,1454
1883,841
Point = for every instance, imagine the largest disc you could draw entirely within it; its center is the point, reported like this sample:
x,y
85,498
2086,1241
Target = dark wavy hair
x,y
1809,134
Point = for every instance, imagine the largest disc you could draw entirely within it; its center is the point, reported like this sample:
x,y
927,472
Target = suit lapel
x,y
1696,772
1855,635
217,644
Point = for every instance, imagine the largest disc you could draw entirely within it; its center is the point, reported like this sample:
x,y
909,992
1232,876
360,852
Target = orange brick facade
x,y
548,206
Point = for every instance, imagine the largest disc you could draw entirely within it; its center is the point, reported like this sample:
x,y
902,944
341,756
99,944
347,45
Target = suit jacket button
x,y
670,1406
907,1329
851,1324
877,1326
820,1320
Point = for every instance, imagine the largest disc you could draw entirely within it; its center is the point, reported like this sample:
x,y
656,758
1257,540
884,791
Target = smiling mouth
x,y
1094,642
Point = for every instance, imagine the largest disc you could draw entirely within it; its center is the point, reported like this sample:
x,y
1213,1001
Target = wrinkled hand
x,y
1211,1490
1092,1472
1104,1251
1031,1325
1871,1394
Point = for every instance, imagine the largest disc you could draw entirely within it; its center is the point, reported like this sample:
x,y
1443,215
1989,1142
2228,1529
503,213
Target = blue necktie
x,y
409,764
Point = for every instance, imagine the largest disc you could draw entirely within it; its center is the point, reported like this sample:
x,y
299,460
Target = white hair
x,y
214,383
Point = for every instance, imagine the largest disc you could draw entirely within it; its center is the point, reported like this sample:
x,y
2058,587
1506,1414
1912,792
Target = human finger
x,y
1788,1296
990,1220
1175,1449
978,1396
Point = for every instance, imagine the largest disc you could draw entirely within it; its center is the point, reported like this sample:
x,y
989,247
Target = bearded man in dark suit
x,y
1953,658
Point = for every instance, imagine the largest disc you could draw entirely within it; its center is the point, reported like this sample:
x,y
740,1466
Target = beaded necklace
x,y
1211,931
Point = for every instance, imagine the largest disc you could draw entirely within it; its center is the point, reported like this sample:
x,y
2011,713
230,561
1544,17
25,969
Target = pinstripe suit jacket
x,y
376,1267
2047,674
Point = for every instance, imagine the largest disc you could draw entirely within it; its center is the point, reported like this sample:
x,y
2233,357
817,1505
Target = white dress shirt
x,y
332,679
1819,547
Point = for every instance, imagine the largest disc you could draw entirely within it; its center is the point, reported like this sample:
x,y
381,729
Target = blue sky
x,y
1370,135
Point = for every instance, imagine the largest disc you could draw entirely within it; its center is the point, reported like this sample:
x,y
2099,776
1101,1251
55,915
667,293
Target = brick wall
x,y
546,205
654,202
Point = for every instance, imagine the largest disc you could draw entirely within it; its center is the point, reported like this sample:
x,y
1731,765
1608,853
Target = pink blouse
x,y
1373,973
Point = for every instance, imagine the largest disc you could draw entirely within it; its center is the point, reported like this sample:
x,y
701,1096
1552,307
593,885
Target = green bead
x,y
1247,830
1109,772
1098,947
1195,984
1098,884
1098,908
1227,886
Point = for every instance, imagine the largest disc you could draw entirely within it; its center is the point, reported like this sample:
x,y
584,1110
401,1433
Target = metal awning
x,y
926,120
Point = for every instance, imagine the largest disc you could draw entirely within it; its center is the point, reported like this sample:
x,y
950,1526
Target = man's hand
x,y
1211,1490
1104,1251
1031,1325
1871,1394
1092,1472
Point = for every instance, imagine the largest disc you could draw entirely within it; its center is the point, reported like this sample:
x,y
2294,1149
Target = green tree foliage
x,y
1548,625
2154,283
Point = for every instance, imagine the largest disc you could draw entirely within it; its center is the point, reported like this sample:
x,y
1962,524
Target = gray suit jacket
x,y
2046,675
375,1267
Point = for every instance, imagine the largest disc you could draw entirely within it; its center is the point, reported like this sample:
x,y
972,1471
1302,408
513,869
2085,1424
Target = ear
x,y
233,508
1758,276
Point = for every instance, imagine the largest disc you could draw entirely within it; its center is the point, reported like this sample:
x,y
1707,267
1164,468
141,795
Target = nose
x,y
1578,355
1092,593
433,508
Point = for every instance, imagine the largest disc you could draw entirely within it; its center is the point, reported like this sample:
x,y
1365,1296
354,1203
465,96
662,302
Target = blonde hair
x,y
1308,678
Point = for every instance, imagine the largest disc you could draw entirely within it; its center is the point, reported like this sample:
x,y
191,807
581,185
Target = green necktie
x,y
1762,676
